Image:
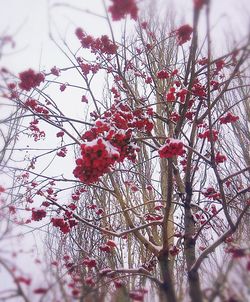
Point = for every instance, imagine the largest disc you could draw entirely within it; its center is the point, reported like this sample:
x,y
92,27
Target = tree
x,y
10,123
146,188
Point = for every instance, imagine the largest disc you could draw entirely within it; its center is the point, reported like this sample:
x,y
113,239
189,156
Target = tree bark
x,y
167,290
189,249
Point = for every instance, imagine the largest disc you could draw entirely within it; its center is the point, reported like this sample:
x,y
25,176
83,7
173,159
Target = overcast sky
x,y
28,21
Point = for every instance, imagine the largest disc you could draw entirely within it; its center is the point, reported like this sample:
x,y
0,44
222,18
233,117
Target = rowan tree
x,y
144,193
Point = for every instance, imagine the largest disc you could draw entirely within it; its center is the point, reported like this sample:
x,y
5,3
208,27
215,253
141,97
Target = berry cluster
x,y
229,118
211,193
108,246
89,262
55,71
110,141
162,74
121,8
220,158
182,95
63,223
121,141
199,90
97,158
36,132
174,251
23,280
220,64
99,45
62,152
183,34
33,105
38,214
206,135
173,147
170,97
153,217
30,79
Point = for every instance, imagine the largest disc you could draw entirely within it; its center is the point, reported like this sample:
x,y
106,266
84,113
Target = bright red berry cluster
x,y
153,217
33,105
174,117
120,8
211,193
182,95
64,223
97,158
110,141
99,45
173,147
220,158
121,141
199,90
62,152
30,79
229,118
38,214
108,246
220,64
206,135
162,74
36,132
89,262
183,34
170,97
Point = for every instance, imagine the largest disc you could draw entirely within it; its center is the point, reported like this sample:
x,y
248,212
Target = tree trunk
x,y
189,249
167,290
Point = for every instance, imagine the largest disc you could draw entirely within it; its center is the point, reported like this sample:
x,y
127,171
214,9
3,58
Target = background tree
x,y
10,127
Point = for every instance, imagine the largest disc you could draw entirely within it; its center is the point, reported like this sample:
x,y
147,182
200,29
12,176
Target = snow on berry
x,y
64,223
110,140
55,71
220,158
97,158
211,193
173,147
